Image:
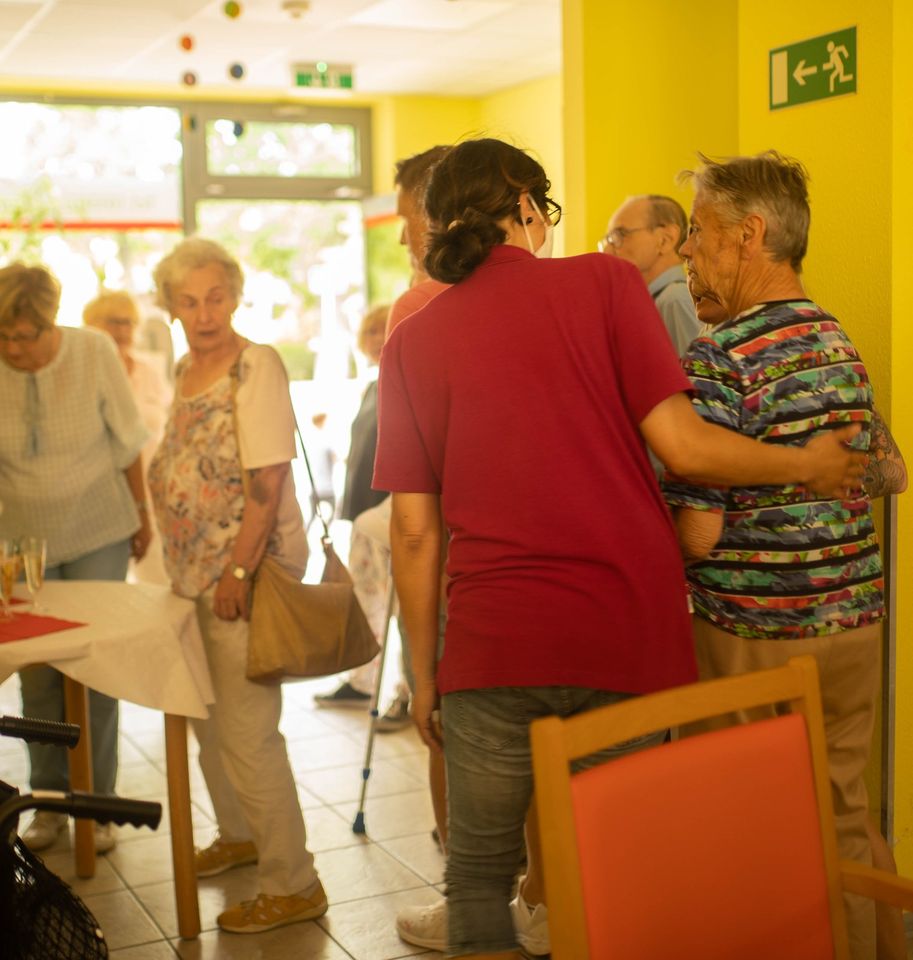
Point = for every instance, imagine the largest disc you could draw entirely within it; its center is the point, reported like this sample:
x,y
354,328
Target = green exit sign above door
x,y
813,69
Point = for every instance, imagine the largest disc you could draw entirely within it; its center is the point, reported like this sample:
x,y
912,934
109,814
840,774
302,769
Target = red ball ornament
x,y
189,79
186,42
232,10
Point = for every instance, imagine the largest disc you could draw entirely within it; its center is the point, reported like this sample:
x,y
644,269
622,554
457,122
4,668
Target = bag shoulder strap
x,y
235,374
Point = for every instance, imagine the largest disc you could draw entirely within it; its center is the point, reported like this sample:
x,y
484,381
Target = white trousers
x,y
245,762
369,565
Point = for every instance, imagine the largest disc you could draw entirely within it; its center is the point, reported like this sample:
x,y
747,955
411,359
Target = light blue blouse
x,y
67,432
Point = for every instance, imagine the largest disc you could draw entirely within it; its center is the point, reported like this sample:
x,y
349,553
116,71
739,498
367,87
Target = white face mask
x,y
545,251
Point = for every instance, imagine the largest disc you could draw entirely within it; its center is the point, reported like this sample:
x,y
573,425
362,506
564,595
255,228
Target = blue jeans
x,y
489,787
42,690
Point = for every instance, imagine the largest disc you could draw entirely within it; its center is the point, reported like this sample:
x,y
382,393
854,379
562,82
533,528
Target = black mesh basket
x,y
40,916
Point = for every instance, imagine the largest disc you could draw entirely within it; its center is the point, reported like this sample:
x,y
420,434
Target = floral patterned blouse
x,y
195,475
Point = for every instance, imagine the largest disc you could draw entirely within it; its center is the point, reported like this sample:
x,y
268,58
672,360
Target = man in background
x,y
648,231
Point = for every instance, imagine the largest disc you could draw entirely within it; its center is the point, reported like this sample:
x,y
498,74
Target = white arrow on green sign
x,y
813,69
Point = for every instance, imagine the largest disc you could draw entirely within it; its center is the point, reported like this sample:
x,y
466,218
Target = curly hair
x,y
192,254
477,184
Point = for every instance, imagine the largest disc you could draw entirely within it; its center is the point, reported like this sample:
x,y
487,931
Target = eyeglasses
x,y
552,212
20,338
616,238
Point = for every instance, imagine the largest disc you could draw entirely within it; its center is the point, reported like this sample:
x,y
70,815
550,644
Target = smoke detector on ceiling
x,y
296,8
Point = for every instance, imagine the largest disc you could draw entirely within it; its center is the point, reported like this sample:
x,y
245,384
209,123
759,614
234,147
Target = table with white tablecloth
x,y
140,643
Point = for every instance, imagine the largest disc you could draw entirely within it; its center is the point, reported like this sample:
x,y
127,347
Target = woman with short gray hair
x,y
70,472
232,415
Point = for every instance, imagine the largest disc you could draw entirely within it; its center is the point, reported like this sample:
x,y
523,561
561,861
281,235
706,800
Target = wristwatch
x,y
239,572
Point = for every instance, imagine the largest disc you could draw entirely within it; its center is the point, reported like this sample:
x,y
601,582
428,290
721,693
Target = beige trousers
x,y
849,668
245,763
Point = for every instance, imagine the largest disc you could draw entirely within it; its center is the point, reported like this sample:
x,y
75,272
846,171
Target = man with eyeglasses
x,y
647,231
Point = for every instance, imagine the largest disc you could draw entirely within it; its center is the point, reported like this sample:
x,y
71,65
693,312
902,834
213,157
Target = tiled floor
x,y
367,879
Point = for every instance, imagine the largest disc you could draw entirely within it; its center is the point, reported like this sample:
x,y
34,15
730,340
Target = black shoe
x,y
396,718
344,695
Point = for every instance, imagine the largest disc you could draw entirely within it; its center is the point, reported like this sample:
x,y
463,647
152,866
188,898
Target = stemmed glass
x,y
34,552
9,572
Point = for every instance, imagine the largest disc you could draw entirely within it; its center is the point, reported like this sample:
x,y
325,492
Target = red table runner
x,y
26,625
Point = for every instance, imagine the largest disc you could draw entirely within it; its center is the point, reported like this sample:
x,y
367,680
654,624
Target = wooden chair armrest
x,y
876,884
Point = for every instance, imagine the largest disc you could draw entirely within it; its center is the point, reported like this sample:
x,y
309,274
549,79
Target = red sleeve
x,y
649,369
402,464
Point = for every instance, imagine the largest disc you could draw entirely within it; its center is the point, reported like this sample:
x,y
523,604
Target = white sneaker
x,y
531,925
424,926
105,839
44,829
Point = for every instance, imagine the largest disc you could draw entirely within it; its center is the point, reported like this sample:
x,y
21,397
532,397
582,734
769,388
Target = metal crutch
x,y
358,826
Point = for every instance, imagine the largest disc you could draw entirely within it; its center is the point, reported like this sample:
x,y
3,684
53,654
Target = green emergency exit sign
x,y
813,69
321,74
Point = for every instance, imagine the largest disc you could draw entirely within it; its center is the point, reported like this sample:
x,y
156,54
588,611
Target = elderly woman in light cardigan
x,y
70,471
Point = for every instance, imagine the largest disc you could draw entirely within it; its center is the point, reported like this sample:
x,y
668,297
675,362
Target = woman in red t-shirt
x,y
515,409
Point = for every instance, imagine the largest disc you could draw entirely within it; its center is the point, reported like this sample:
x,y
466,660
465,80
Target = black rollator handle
x,y
40,731
92,806
86,806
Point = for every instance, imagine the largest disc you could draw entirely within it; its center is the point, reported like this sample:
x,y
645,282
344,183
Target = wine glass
x,y
34,551
9,572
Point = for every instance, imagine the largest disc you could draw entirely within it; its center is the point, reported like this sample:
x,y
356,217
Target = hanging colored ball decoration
x,y
189,79
232,10
236,71
186,42
238,129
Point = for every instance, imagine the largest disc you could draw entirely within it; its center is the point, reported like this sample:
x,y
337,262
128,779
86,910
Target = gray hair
x,y
770,184
192,254
28,293
664,211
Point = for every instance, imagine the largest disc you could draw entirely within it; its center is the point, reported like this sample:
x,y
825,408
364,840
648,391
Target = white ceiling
x,y
455,47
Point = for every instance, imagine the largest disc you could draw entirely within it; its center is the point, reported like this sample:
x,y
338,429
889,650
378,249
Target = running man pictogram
x,y
836,64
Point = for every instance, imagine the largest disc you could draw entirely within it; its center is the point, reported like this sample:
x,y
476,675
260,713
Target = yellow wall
x,y
848,268
901,186
647,84
406,125
530,117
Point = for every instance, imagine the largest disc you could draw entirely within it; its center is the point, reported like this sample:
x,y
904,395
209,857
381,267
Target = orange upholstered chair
x,y
714,847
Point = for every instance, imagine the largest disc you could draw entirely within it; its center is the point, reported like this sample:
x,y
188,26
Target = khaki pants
x,y
848,664
245,763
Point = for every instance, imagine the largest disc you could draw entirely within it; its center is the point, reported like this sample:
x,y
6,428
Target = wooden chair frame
x,y
556,742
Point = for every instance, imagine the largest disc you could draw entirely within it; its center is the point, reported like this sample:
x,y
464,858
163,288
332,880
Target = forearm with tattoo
x,y
885,472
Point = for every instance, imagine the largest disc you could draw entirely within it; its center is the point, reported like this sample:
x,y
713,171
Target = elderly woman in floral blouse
x,y
232,413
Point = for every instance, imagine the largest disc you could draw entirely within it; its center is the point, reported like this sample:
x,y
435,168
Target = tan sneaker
x,y
267,913
221,855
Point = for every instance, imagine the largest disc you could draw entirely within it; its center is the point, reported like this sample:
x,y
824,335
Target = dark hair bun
x,y
455,250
